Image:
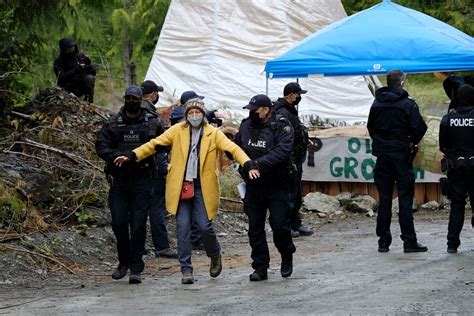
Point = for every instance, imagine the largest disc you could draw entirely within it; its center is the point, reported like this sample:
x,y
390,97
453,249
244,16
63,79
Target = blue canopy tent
x,y
373,42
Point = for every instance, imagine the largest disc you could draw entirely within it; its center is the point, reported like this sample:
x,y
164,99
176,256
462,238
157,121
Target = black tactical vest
x,y
460,132
130,136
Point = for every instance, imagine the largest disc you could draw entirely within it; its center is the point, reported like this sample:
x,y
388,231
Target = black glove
x,y
249,165
130,154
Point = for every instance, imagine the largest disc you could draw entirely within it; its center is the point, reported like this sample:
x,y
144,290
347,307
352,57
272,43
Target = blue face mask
x,y
195,120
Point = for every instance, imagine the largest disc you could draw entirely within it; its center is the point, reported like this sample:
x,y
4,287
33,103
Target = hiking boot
x,y
304,231
187,278
295,233
167,253
216,266
119,272
383,247
286,268
452,250
135,278
258,275
417,247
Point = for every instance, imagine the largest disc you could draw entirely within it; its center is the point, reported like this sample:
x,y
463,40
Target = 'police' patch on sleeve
x,y
287,129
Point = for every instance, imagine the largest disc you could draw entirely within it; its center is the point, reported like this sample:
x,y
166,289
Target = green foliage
x,y
11,209
84,218
457,13
30,32
56,241
137,25
429,95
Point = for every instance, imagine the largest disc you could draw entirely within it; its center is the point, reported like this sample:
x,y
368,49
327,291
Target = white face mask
x,y
195,120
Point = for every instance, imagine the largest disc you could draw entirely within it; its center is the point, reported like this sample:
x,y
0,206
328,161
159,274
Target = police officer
x,y
131,188
396,127
456,141
151,94
268,141
159,232
287,107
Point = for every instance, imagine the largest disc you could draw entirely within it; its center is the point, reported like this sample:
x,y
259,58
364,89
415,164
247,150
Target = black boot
x,y
258,275
216,266
416,247
119,272
135,278
304,231
286,265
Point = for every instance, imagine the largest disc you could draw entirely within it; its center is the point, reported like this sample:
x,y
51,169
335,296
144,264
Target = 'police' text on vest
x,y
461,122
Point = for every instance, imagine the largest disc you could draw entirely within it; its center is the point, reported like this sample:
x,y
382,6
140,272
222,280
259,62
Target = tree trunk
x,y
133,73
126,56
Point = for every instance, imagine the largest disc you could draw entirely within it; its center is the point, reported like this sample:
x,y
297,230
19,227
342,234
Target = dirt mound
x,y
49,167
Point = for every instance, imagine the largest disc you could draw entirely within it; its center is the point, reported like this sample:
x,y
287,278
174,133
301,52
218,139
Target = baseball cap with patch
x,y
149,86
259,101
134,91
293,87
188,95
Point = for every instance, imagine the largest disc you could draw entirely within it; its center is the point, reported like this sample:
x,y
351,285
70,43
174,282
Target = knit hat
x,y
195,103
466,95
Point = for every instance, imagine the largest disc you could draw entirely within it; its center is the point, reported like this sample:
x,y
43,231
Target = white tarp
x,y
348,159
219,48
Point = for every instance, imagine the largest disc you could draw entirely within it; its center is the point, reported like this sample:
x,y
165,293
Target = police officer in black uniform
x,y
74,70
132,187
287,107
396,127
456,141
268,141
159,232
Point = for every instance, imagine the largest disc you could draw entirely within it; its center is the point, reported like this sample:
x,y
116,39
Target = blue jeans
x,y
189,211
159,233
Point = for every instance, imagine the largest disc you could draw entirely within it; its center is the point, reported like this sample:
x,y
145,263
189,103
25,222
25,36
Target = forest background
x,y
120,37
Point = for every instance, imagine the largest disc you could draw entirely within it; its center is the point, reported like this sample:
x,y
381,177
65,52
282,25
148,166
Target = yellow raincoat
x,y
212,140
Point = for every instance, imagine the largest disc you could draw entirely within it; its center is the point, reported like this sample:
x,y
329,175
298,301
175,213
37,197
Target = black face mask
x,y
298,99
132,107
156,101
255,117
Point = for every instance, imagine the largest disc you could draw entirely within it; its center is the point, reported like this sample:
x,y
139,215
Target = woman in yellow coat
x,y
195,144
